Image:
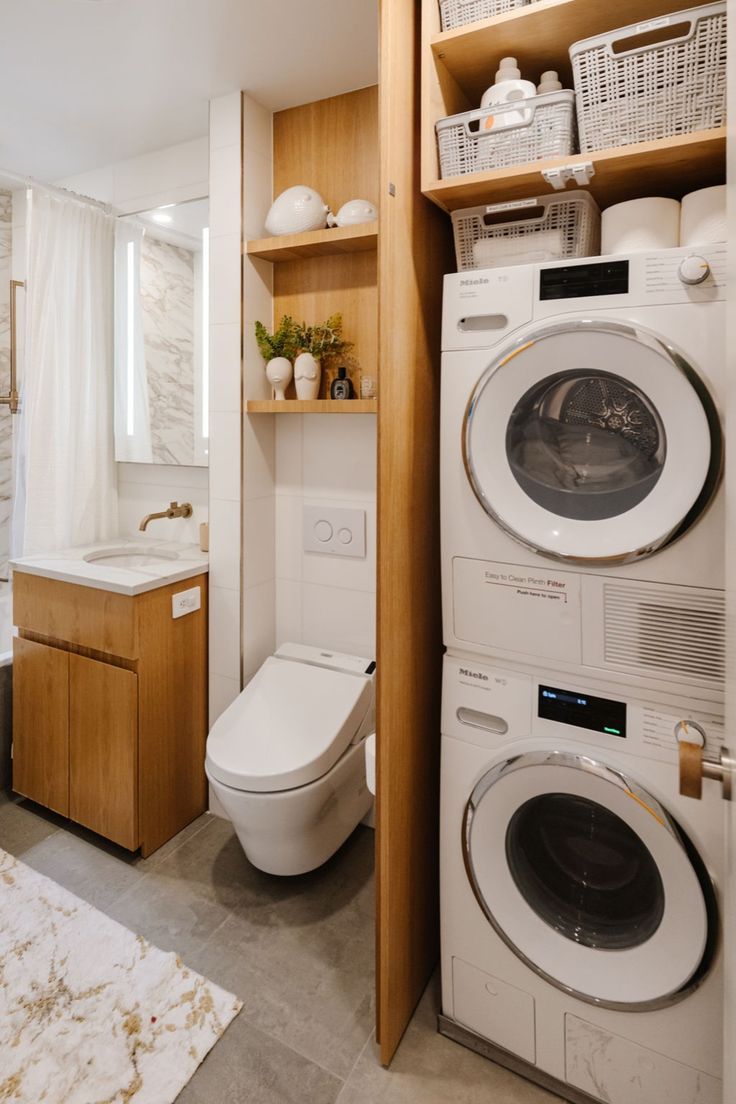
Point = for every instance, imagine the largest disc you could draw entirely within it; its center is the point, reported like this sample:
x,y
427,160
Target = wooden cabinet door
x,y
414,250
103,749
41,724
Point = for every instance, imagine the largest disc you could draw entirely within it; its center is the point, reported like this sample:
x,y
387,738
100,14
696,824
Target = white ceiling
x,y
84,83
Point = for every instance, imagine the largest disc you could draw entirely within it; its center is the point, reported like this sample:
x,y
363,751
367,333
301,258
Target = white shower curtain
x,y
66,490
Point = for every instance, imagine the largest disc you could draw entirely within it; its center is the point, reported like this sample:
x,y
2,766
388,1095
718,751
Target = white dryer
x,y
580,941
581,454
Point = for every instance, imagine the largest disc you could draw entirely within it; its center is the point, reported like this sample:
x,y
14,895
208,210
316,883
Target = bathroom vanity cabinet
x,y
110,707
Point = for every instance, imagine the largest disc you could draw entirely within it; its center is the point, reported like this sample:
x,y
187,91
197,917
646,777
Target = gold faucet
x,y
174,511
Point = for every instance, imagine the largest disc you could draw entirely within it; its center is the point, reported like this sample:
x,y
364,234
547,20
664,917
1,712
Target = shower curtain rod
x,y
54,189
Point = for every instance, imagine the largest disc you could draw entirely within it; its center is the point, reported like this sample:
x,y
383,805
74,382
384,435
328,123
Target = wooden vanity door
x,y
103,749
41,724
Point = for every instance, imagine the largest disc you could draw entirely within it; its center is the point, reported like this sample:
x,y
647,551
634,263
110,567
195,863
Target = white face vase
x,y
307,373
278,374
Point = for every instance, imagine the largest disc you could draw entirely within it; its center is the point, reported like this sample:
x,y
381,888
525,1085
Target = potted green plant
x,y
315,343
278,349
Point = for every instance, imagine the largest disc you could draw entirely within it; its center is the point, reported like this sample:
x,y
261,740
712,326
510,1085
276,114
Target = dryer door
x,y
588,880
592,442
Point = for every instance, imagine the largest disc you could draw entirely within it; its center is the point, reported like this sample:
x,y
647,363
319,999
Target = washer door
x,y
588,880
592,441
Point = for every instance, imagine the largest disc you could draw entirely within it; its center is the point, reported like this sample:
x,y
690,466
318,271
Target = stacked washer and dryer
x,y
583,606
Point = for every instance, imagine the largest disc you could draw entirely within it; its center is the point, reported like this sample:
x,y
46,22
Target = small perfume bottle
x,y
341,387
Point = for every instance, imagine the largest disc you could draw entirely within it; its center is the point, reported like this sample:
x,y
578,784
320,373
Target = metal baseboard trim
x,y
469,1039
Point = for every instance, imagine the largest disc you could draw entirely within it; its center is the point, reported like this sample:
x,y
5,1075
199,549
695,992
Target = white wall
x,y
171,175
325,600
225,401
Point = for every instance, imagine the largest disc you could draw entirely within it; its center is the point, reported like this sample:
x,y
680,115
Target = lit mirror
x,y
161,324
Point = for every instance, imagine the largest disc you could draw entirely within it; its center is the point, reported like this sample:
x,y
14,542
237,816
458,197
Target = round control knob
x,y
693,269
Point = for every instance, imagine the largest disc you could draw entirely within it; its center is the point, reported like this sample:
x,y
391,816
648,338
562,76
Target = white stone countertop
x,y
70,565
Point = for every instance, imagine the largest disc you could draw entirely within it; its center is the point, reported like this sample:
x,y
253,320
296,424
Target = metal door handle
x,y
695,764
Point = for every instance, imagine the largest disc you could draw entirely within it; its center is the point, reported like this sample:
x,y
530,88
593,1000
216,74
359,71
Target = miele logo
x,y
473,674
473,283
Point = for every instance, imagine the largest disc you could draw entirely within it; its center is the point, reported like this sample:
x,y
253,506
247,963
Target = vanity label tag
x,y
186,601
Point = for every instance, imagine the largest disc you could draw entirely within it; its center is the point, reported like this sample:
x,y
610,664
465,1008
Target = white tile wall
x,y
259,432
322,599
225,156
145,488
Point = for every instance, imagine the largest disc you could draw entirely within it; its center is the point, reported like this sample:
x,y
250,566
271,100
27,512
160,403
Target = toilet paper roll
x,y
703,218
640,224
691,769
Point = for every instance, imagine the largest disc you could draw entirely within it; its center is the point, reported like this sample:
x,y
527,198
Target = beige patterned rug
x,y
89,1012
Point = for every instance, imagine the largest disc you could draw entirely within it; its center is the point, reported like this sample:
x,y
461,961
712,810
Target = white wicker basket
x,y
495,137
527,230
628,92
456,13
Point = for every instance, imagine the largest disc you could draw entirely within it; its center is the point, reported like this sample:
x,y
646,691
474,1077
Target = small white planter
x,y
278,374
307,375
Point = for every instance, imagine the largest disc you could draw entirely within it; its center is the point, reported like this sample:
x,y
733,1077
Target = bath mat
x,y
89,1012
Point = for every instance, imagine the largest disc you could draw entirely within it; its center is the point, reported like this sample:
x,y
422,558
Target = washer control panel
x,y
492,707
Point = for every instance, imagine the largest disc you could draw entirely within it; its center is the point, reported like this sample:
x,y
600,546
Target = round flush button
x,y
344,536
323,531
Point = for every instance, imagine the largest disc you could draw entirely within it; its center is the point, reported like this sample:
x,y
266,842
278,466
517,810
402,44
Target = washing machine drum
x,y
589,880
592,442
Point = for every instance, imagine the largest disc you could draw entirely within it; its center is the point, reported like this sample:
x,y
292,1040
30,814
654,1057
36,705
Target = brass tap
x,y
174,511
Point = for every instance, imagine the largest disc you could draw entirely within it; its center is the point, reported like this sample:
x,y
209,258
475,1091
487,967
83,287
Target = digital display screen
x,y
575,707
580,281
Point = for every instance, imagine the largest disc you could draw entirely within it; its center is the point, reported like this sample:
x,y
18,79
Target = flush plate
x,y
334,531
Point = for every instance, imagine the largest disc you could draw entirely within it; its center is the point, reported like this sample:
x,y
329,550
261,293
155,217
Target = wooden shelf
x,y
539,35
316,243
312,406
667,167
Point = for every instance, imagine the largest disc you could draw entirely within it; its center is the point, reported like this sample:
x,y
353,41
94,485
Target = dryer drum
x,y
586,445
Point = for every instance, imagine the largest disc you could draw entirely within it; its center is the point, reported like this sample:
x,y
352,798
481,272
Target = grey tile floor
x,y
297,951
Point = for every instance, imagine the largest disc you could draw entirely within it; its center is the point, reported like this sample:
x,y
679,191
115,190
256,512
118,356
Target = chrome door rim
x,y
611,775
679,362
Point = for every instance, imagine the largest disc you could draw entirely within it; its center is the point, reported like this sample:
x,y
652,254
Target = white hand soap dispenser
x,y
508,85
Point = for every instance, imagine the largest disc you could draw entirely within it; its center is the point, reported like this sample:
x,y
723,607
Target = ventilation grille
x,y
677,633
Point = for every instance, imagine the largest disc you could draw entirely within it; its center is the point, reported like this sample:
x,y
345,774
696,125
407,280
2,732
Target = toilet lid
x,y
291,724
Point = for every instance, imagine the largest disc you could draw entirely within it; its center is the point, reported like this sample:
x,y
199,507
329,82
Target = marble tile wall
x,y
167,308
6,429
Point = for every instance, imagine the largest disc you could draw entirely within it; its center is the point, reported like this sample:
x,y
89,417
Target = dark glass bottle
x,y
342,386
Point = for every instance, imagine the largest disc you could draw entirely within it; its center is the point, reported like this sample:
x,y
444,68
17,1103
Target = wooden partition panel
x,y
414,253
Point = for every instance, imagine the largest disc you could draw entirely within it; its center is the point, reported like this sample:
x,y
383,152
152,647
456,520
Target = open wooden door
x,y
413,255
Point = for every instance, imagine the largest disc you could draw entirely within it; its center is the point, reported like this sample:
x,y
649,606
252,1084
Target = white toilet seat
x,y
289,727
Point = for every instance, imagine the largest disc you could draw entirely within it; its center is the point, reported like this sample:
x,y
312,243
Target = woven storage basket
x,y
527,231
456,13
628,92
493,138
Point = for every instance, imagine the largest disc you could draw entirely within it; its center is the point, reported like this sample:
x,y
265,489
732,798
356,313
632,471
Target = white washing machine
x,y
582,522
580,941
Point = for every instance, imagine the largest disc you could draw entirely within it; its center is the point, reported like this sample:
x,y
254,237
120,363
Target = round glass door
x,y
592,441
587,878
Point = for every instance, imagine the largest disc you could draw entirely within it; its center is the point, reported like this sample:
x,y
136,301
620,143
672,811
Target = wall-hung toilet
x,y
286,759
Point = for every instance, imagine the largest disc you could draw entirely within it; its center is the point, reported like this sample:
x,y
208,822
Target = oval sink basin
x,y
130,556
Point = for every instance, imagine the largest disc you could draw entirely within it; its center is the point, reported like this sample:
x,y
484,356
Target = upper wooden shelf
x,y
316,243
667,167
311,406
539,35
